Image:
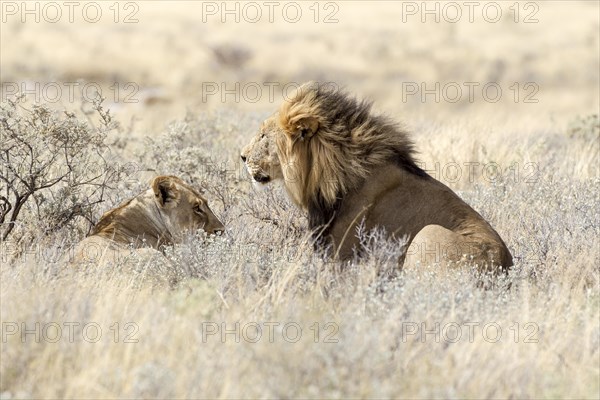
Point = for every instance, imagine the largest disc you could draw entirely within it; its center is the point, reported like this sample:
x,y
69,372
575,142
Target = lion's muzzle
x,y
262,178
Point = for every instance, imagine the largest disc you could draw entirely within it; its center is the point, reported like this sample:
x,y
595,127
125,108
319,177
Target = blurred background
x,y
505,63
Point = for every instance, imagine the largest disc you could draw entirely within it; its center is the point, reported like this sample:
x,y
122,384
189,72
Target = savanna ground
x,y
255,313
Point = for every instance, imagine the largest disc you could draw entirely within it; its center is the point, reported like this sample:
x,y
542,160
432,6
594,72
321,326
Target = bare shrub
x,y
55,170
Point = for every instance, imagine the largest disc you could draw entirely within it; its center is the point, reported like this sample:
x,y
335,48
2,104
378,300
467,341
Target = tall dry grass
x,y
196,335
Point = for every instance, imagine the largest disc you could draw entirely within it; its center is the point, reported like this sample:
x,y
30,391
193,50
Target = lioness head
x,y
260,155
159,216
184,206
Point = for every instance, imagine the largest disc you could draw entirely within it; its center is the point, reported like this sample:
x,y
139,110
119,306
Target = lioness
x,y
347,166
157,217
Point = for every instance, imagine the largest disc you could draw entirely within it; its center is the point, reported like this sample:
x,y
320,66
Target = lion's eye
x,y
198,209
262,136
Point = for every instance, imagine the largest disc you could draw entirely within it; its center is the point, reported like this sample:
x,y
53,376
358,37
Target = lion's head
x,y
260,155
160,215
185,207
330,141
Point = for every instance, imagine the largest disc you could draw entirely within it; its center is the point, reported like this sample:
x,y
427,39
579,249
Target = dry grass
x,y
372,340
264,271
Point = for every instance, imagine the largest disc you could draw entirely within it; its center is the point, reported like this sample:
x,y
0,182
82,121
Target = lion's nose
x,y
261,178
243,158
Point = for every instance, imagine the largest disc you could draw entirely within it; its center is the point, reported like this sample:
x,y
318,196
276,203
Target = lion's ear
x,y
165,191
307,127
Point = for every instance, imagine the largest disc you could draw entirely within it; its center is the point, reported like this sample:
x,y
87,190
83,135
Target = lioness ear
x,y
165,191
307,127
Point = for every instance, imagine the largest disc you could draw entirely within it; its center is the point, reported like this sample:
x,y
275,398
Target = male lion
x,y
260,155
347,166
157,217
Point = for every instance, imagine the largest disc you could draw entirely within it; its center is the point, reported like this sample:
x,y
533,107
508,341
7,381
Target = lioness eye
x,y
197,209
262,136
